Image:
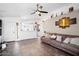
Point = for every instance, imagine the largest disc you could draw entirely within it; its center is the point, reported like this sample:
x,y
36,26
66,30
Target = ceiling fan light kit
x,y
37,12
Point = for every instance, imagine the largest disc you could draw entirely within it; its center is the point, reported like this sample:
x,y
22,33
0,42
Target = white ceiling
x,y
25,9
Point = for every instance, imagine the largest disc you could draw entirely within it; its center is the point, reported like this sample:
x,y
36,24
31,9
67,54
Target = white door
x,y
11,31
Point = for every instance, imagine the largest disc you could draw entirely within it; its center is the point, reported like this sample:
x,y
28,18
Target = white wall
x,y
27,30
9,30
49,25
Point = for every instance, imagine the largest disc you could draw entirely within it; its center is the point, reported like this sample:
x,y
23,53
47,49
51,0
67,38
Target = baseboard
x,y
9,41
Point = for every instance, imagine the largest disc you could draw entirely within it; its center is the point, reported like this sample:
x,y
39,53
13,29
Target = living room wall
x,y
9,29
49,25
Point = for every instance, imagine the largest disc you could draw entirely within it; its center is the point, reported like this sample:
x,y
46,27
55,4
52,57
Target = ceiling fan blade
x,y
37,6
43,11
33,13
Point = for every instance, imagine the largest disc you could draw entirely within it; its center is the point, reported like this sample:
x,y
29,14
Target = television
x,y
0,23
0,27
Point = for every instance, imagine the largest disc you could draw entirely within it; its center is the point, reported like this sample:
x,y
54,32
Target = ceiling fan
x,y
39,10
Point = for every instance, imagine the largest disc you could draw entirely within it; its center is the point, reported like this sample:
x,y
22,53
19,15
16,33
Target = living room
x,y
46,29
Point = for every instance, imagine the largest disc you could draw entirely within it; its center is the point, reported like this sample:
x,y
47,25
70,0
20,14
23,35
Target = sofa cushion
x,y
74,41
53,37
59,38
67,40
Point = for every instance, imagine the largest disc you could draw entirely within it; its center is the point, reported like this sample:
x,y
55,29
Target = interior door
x,y
11,31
